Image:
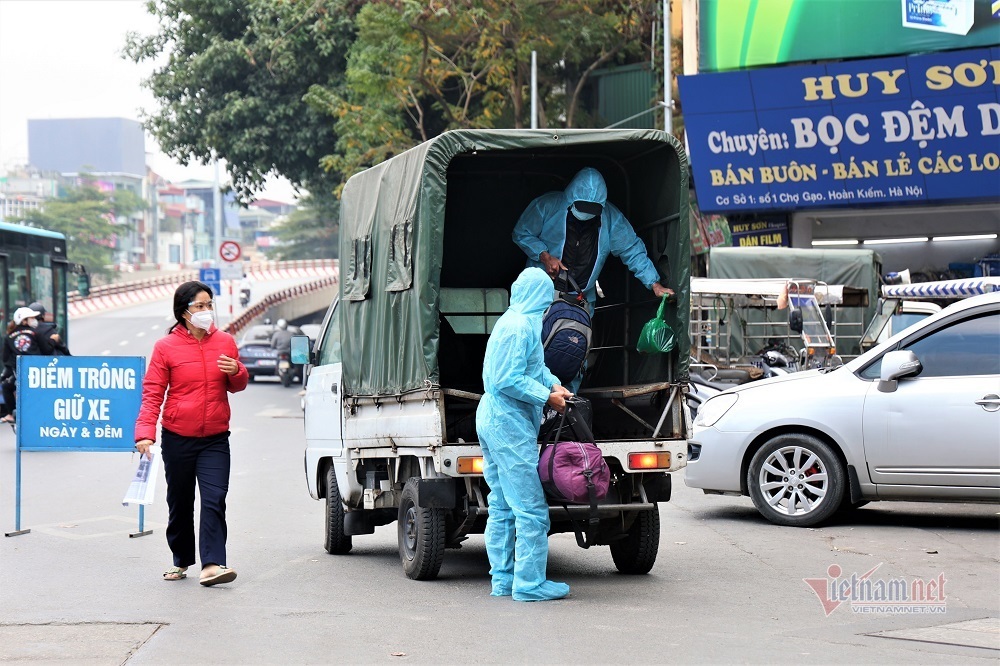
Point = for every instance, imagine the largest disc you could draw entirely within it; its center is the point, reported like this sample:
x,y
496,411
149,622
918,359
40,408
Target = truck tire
x,y
636,553
336,542
421,535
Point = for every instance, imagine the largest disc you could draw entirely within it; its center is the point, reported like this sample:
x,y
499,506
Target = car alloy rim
x,y
793,481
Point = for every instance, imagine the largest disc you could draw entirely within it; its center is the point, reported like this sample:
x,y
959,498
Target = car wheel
x,y
252,378
636,553
421,535
336,542
796,480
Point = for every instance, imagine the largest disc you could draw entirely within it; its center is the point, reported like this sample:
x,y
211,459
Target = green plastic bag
x,y
656,337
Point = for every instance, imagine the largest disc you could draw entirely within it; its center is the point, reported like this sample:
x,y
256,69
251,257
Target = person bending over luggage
x,y
517,386
575,231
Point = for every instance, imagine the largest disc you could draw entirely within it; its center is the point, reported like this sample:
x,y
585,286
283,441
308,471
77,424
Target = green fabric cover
x,y
452,202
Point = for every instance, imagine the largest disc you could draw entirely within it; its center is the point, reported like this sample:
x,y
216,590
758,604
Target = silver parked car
x,y
915,418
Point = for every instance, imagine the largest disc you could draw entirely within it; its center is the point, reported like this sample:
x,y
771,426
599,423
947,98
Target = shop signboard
x,y
920,128
735,34
760,233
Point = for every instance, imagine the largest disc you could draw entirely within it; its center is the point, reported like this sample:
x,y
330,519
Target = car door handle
x,y
990,402
334,387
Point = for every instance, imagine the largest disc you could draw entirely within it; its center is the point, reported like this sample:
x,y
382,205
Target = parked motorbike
x,y
778,358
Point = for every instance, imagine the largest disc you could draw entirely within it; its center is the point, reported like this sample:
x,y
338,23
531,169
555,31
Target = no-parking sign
x,y
230,250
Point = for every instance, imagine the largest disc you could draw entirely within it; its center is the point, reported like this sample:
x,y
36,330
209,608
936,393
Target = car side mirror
x,y
795,320
300,350
897,365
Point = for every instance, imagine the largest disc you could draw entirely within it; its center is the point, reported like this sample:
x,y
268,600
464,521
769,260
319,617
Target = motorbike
x,y
286,369
778,358
244,297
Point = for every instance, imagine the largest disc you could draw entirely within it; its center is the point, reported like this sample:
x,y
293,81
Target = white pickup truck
x,y
426,261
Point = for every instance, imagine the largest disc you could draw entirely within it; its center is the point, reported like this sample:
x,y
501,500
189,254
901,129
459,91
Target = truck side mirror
x,y
795,320
300,350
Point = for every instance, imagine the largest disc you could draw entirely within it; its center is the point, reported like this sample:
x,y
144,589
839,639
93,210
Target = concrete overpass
x,y
288,290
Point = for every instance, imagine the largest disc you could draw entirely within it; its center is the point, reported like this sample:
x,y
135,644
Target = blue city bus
x,y
34,267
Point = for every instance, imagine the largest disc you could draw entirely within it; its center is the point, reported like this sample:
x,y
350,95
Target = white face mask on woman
x,y
33,323
202,320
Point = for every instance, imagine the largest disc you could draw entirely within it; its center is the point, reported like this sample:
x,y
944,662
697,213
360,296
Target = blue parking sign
x,y
78,403
212,277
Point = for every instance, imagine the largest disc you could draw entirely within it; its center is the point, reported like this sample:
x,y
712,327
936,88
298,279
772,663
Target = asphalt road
x,y
728,587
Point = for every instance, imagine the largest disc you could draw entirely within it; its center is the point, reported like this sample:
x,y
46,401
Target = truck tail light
x,y
470,465
650,460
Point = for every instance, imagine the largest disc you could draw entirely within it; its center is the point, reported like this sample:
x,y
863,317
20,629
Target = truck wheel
x,y
336,542
796,480
421,535
636,553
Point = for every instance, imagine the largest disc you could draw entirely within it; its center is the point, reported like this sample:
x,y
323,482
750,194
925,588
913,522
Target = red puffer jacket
x,y
185,369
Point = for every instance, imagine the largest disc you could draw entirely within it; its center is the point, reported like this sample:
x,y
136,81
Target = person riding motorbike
x,y
244,291
281,341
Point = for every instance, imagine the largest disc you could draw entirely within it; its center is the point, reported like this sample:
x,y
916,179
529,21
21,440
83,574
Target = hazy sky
x,y
62,59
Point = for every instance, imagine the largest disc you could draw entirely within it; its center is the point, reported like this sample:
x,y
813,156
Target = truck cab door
x,y
323,403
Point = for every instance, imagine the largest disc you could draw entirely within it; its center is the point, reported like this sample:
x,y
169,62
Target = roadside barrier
x,y
119,294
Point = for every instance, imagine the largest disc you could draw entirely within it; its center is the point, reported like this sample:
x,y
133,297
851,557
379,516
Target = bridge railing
x,y
137,291
254,269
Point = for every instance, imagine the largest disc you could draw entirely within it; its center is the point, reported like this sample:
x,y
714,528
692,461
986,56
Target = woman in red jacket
x,y
195,365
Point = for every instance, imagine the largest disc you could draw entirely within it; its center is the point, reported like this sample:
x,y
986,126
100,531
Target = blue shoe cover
x,y
544,592
500,591
503,583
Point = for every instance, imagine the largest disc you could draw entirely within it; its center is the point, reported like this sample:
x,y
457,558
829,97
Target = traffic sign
x,y
230,250
231,271
211,277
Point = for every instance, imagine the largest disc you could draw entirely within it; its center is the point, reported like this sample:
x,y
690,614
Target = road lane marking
x,y
123,343
140,334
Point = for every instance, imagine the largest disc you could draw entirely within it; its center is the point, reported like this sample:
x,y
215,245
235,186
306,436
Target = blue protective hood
x,y
587,185
531,292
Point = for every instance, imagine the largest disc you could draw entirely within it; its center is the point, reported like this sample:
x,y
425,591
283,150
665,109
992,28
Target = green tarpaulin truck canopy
x,y
440,216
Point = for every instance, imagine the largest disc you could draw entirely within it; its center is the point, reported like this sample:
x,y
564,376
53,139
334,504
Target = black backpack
x,y
567,333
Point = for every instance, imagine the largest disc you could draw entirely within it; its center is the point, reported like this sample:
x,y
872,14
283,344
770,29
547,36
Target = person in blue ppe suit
x,y
575,231
517,386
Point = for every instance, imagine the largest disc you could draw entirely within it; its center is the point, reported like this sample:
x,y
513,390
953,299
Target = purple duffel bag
x,y
574,472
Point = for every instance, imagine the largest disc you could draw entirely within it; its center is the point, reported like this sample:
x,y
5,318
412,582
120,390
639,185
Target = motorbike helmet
x,y
282,324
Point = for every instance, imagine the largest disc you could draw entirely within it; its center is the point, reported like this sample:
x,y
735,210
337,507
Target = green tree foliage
x,y
310,232
418,68
87,217
232,81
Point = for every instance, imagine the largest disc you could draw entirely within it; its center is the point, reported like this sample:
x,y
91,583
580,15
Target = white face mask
x,y
583,217
33,323
202,320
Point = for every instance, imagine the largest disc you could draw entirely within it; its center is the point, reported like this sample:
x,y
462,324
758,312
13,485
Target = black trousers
x,y
9,397
185,461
